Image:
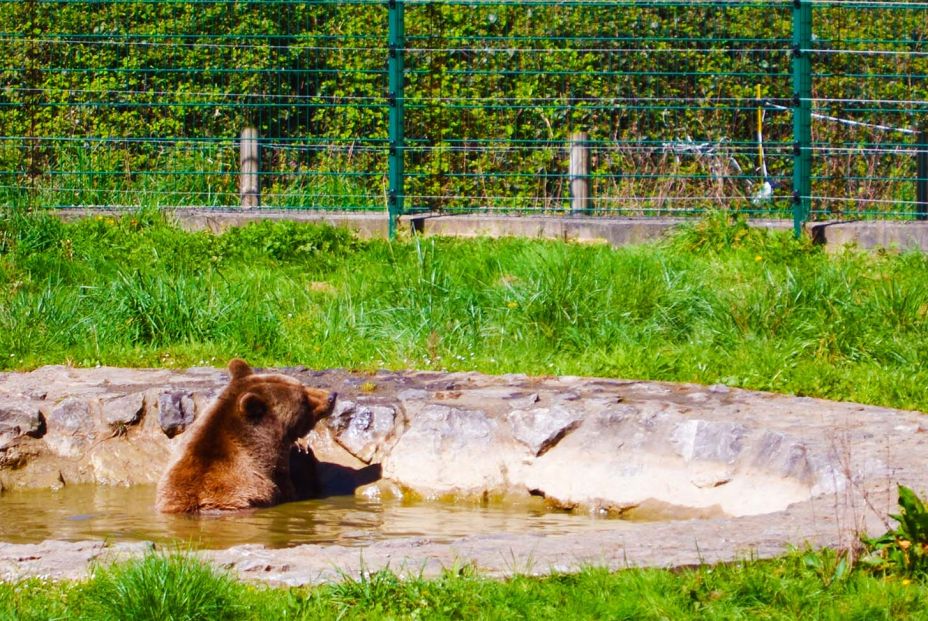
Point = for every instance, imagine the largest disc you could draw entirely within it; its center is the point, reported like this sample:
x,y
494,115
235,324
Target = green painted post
x,y
802,113
395,98
921,174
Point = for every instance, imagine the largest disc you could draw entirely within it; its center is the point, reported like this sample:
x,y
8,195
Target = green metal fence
x,y
868,108
780,108
114,103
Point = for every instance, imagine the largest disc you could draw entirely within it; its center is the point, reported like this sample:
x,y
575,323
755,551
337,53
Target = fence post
x,y
921,181
32,96
395,101
802,113
579,173
250,163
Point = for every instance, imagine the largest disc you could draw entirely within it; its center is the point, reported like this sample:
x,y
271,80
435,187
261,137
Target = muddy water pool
x,y
127,514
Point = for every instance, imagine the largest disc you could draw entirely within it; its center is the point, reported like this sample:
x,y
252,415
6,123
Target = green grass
x,y
178,587
717,303
156,587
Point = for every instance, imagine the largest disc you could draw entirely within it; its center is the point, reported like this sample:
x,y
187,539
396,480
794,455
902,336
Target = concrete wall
x,y
613,231
909,235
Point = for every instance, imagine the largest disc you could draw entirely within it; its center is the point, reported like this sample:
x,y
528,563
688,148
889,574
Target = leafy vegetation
x,y
718,302
903,550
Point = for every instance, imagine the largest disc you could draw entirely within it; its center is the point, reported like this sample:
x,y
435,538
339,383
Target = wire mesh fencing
x,y
780,108
109,103
660,94
869,109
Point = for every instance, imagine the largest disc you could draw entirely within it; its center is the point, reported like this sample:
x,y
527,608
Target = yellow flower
x,y
758,258
513,305
906,582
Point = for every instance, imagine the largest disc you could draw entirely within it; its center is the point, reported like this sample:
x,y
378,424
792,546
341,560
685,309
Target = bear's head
x,y
276,405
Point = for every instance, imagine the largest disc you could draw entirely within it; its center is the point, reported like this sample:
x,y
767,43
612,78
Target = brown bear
x,y
237,453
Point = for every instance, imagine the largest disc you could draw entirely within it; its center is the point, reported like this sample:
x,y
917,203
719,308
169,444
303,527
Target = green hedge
x,y
132,102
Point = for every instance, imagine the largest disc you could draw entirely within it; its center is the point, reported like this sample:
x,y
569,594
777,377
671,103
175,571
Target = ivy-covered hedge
x,y
107,102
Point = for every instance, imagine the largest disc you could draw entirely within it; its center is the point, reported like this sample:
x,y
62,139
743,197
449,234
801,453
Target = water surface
x,y
127,514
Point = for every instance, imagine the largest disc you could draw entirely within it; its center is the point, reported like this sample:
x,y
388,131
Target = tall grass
x,y
160,588
205,174
717,302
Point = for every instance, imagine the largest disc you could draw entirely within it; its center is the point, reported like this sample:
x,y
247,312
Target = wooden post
x,y
579,173
250,161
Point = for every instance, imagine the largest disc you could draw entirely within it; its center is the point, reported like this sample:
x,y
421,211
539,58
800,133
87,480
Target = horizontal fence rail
x,y
775,108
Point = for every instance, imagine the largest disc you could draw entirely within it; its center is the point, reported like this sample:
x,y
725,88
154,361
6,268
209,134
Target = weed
x,y
286,241
903,550
829,565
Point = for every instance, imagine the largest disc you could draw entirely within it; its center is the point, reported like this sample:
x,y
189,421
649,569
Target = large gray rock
x,y
541,428
362,429
783,455
580,443
448,451
126,410
19,417
70,427
176,411
703,440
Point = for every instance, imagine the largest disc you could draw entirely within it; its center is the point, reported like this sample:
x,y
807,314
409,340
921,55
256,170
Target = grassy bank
x,y
799,586
717,303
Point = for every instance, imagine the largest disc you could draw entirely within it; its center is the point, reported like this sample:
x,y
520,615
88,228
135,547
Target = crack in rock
x,y
541,429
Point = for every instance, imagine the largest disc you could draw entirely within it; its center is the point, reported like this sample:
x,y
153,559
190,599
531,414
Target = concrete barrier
x,y
909,235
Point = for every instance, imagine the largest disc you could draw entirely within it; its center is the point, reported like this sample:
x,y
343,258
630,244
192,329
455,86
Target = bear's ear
x,y
252,406
238,368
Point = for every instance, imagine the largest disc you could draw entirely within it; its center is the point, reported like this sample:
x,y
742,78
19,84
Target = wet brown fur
x,y
237,453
